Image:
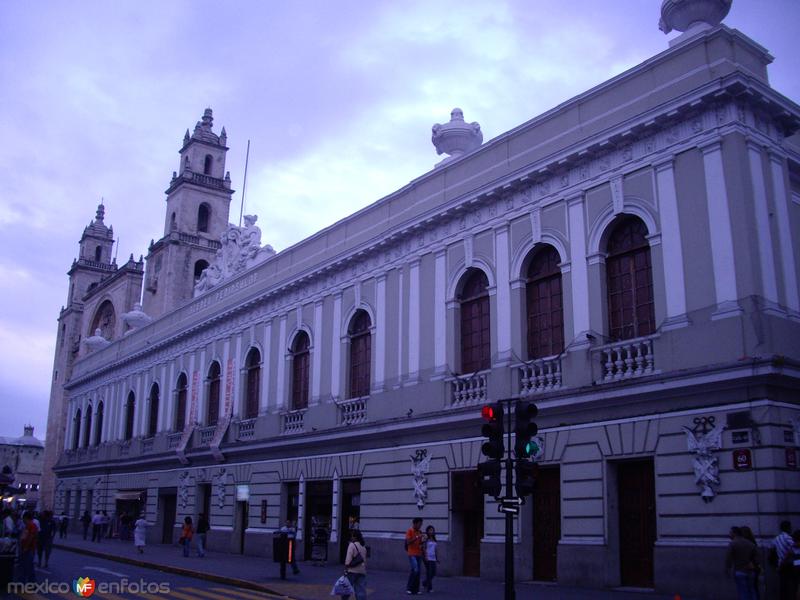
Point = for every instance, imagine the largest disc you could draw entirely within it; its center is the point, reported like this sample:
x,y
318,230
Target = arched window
x,y
253,384
629,281
130,407
203,216
98,254
199,267
98,436
360,354
544,304
300,355
87,430
105,320
475,329
173,222
209,160
76,430
214,378
152,420
180,402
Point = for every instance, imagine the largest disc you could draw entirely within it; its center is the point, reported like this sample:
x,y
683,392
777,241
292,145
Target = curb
x,y
232,581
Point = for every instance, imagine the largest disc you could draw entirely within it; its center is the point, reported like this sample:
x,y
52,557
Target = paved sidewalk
x,y
315,582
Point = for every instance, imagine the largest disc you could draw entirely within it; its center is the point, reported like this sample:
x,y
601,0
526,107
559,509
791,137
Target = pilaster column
x,y
719,221
503,297
674,287
335,508
140,409
336,346
769,283
168,397
413,320
380,332
301,504
440,312
579,273
400,336
263,402
788,253
316,367
283,361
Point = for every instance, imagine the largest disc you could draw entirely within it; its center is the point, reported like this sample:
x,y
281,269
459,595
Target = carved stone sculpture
x,y
183,489
96,341
421,464
683,15
456,137
703,440
241,249
219,487
136,318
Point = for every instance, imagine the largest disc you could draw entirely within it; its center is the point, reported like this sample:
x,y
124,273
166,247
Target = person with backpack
x,y
413,545
355,564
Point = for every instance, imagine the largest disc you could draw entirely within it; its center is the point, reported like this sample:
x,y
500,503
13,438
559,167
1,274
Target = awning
x,y
129,495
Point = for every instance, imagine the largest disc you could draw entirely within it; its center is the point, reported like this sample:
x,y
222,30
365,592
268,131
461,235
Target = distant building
x,y
24,456
628,260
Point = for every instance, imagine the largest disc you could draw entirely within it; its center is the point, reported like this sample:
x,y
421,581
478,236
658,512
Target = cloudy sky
x,y
336,97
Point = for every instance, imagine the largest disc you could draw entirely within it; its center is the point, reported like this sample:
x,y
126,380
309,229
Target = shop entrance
x,y
467,507
546,523
637,521
317,523
351,513
167,512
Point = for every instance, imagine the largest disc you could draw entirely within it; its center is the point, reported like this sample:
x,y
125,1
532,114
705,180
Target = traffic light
x,y
526,477
493,429
489,477
525,428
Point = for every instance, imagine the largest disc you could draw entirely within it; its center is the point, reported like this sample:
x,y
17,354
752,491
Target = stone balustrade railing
x,y
353,410
541,375
469,389
173,440
206,434
246,429
626,359
293,422
125,448
147,445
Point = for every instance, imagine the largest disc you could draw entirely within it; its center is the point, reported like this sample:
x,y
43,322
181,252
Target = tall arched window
x,y
360,354
76,430
209,160
214,379
300,355
199,267
180,402
130,407
152,420
544,304
98,254
87,430
105,320
98,436
253,384
203,214
475,328
629,280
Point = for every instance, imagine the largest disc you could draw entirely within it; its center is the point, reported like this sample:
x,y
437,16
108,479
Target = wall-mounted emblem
x,y
703,439
421,462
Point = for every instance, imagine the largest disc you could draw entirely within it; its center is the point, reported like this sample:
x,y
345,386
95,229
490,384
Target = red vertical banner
x,y
192,422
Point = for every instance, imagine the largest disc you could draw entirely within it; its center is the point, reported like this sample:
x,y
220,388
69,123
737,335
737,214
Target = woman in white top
x,y
355,565
431,558
139,529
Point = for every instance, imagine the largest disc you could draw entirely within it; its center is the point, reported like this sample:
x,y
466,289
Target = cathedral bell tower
x,y
198,202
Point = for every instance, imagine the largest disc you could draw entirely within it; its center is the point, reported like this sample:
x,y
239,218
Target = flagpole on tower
x,y
244,183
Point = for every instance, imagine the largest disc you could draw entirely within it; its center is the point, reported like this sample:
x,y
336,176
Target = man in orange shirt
x,y
414,542
27,542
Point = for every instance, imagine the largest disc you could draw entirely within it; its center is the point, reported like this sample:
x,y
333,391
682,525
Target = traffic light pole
x,y
510,592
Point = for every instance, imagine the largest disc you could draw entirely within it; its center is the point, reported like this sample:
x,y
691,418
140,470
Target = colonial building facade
x,y
628,260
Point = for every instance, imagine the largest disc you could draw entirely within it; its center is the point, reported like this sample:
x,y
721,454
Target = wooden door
x,y
467,504
546,524
168,512
637,522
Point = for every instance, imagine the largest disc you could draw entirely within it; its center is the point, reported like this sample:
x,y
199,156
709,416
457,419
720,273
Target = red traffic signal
x,y
493,429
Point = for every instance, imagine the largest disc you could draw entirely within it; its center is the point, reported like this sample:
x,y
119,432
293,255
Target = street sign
x,y
511,509
512,501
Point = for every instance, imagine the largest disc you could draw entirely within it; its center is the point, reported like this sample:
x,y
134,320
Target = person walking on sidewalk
x,y
413,544
139,531
288,534
27,543
742,560
355,564
431,558
86,520
781,546
63,523
97,526
202,532
186,535
47,531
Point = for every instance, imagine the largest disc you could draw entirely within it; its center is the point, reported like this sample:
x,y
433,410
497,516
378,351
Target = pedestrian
x,y
97,526
186,535
288,535
742,560
27,542
139,530
47,531
413,544
86,520
792,560
781,546
105,523
63,523
355,564
431,557
747,534
124,526
202,533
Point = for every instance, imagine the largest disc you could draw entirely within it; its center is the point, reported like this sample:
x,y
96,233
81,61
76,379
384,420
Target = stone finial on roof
x,y
203,129
695,15
101,213
456,137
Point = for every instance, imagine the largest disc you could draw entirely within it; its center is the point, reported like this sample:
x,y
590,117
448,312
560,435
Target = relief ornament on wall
x,y
703,439
421,463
